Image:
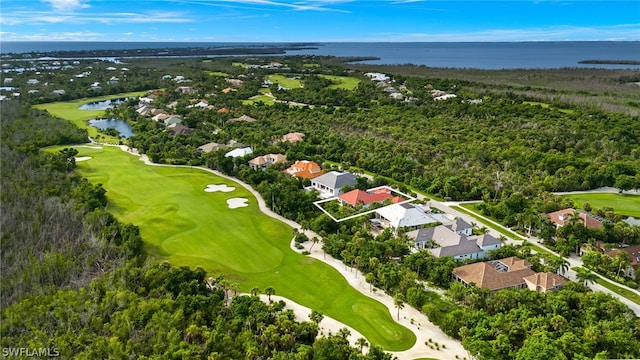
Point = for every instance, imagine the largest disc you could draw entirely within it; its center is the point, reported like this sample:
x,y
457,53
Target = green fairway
x,y
182,223
284,81
69,110
217,73
267,100
621,204
342,82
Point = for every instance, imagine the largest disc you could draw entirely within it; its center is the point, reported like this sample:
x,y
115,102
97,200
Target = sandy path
x,y
422,327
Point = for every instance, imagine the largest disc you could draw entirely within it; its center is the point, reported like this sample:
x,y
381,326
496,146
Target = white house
x,y
331,183
239,152
403,216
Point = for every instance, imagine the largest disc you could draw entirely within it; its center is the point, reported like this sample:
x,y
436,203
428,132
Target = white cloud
x,y
45,17
67,5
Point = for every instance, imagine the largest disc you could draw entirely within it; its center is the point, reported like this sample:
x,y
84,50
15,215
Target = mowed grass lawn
x,y
182,223
285,81
70,110
342,82
621,204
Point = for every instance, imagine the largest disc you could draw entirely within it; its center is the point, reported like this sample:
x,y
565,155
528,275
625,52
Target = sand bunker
x,y
82,158
219,187
237,202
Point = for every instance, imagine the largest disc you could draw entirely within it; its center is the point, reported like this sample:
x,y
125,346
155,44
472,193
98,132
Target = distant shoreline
x,y
611,62
174,52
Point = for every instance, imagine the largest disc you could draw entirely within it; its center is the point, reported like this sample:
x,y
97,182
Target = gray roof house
x,y
441,241
461,227
330,184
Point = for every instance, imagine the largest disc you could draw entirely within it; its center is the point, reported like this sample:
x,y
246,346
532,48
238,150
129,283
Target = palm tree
x,y
399,303
255,290
585,276
562,264
269,291
314,240
361,342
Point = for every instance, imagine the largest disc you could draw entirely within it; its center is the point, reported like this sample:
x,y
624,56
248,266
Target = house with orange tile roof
x,y
562,217
359,197
507,273
304,169
264,161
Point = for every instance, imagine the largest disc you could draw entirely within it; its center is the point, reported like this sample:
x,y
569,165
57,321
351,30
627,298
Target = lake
x,y
102,105
120,125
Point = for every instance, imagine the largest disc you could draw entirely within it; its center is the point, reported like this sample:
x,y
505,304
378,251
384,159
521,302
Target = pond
x,y
120,125
102,105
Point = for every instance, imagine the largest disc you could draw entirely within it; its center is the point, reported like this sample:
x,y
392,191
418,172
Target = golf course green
x,y
182,223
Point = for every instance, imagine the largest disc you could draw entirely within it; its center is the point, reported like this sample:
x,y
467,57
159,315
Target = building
x,y
634,255
304,169
562,217
293,137
240,152
331,183
262,162
461,227
359,197
403,215
441,241
507,273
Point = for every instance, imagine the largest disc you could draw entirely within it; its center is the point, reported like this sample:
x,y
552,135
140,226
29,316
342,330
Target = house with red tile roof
x,y
507,273
359,197
562,217
304,169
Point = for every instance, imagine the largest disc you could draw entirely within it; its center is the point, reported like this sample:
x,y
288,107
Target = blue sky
x,y
317,20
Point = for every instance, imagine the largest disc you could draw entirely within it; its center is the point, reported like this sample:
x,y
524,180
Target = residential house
x,y
634,255
403,215
304,169
228,90
58,92
148,98
178,129
331,183
543,282
113,81
461,227
173,119
243,118
262,162
508,273
212,146
357,197
441,241
240,152
562,217
293,137
186,90
8,81
161,116
33,82
235,82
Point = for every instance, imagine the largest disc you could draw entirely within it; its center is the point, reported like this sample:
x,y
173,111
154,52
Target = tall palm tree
x,y
361,342
562,265
585,276
398,301
255,290
269,291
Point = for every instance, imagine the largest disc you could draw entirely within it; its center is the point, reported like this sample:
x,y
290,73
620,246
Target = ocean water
x,y
479,55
